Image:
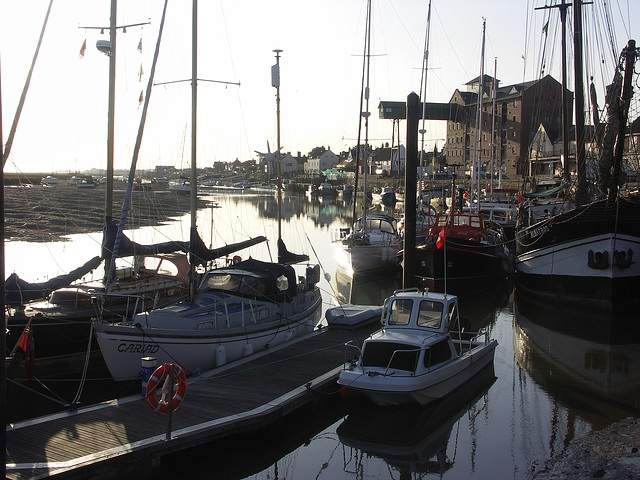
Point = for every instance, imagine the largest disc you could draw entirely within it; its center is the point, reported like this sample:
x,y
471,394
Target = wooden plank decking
x,y
126,435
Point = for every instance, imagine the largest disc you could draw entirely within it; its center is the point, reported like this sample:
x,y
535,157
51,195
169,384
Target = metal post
x,y
170,402
410,183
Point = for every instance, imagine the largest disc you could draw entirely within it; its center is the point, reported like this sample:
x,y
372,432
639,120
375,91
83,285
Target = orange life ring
x,y
237,259
161,406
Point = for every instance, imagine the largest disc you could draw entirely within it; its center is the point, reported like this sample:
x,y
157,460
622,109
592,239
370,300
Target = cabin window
x,y
438,353
430,314
400,312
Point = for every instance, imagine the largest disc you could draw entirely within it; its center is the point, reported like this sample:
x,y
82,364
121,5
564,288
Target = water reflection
x,y
411,439
364,289
581,357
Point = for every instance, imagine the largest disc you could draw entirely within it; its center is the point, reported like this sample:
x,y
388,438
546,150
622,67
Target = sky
x,y
63,126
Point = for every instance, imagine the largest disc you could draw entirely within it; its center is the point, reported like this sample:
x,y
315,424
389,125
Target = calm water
x,y
557,373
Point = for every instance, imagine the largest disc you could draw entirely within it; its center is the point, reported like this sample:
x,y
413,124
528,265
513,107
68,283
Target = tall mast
x,y
365,114
275,82
493,125
194,118
477,142
423,87
581,192
108,207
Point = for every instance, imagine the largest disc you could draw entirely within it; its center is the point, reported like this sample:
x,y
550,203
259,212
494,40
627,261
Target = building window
x,y
514,119
514,134
515,103
513,150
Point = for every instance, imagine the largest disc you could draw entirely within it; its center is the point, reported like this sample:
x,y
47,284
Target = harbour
x,y
377,312
530,410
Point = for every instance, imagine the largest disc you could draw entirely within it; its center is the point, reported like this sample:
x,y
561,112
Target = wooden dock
x,y
124,436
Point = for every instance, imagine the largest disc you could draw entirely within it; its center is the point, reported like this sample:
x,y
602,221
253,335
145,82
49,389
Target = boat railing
x,y
351,360
465,341
138,303
416,355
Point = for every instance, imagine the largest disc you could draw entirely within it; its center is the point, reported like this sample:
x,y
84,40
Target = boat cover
x,y
254,278
20,292
547,193
128,248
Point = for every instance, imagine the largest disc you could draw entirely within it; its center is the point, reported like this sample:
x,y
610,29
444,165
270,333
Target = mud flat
x,y
38,213
612,453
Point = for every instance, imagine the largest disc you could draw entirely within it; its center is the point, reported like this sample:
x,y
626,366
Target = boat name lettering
x,y
137,348
539,231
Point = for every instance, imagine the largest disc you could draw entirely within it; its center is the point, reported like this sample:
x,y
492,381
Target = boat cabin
x,y
469,225
412,322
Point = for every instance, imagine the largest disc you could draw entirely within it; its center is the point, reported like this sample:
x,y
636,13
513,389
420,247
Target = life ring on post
x,y
162,406
237,259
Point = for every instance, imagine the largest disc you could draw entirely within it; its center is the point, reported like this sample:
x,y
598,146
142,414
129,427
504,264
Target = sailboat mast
x,y
493,125
423,88
581,192
111,115
365,114
194,171
108,197
477,141
275,81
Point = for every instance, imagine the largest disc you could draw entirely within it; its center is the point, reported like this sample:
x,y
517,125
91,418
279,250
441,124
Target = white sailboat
x,y
232,311
373,242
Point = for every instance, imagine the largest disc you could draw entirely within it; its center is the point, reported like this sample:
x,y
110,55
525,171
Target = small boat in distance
x,y
49,180
421,353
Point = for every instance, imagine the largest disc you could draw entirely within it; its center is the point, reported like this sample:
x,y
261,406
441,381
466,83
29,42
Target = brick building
x,y
520,110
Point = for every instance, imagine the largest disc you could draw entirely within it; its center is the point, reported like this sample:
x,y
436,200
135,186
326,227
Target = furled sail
x,y
200,254
20,292
128,248
285,256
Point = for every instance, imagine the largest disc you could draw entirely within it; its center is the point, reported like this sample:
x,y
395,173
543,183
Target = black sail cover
x,y
20,292
128,248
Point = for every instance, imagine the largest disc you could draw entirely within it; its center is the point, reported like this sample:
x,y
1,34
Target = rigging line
x,y
14,126
83,378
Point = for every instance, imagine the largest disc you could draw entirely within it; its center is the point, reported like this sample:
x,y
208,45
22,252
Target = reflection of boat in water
x,y
413,439
579,356
362,289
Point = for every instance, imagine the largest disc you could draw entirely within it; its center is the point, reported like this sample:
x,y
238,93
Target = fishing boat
x,y
373,241
419,355
231,311
461,250
582,248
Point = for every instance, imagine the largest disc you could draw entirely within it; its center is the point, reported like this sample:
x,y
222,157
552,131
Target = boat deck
x,y
126,436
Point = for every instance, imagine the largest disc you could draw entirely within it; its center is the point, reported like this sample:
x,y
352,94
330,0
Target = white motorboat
x,y
420,354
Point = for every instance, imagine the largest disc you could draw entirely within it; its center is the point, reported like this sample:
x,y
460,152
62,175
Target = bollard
x,y
149,365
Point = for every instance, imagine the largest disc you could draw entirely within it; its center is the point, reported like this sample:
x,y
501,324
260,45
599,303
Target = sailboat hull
x,y
218,329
